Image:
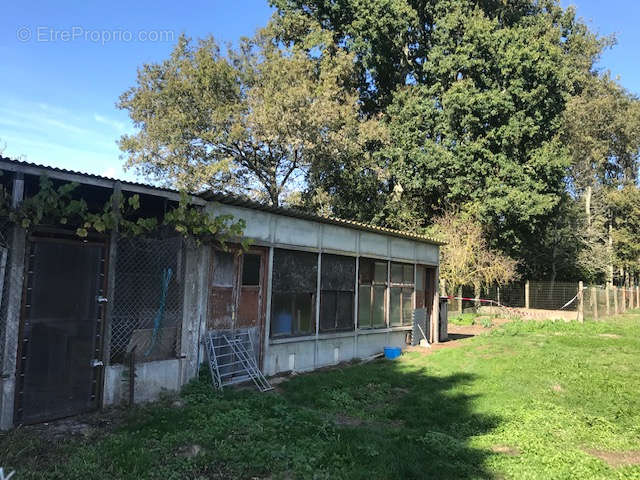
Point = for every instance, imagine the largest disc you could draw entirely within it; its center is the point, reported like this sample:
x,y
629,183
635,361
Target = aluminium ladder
x,y
232,359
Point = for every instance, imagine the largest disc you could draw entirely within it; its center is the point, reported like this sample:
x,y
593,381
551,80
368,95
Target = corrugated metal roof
x,y
84,174
292,212
236,201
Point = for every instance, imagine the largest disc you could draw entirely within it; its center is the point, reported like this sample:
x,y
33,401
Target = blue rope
x,y
157,321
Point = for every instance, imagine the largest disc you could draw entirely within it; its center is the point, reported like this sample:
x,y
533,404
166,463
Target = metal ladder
x,y
232,359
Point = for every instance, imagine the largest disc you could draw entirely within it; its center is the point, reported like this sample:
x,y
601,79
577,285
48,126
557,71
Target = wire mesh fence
x,y
544,299
148,298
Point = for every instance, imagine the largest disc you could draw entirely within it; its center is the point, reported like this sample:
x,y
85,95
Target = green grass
x,y
469,318
464,319
526,401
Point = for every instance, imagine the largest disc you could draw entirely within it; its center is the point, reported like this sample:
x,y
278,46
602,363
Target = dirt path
x,y
459,335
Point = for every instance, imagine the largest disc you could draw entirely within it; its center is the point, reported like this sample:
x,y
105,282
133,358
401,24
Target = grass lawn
x,y
528,400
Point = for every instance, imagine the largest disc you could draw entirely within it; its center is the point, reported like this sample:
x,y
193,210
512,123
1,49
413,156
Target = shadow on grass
x,y
380,420
396,421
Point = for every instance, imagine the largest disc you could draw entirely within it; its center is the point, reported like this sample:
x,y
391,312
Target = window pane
x,y
365,271
303,314
344,311
328,302
396,273
381,272
281,314
292,314
251,270
394,308
338,273
407,274
378,306
222,269
407,308
364,306
294,271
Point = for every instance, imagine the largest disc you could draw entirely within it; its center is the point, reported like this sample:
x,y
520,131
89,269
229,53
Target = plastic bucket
x,y
392,352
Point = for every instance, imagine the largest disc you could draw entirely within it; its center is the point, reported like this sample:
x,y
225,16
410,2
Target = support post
x,y
460,300
15,266
624,299
616,309
637,296
580,302
594,302
606,298
435,309
526,294
111,286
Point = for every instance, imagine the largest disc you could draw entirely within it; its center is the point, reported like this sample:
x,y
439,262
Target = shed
x,y
313,291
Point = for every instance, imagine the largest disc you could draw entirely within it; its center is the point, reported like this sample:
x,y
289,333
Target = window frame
x,y
402,286
292,333
372,288
337,292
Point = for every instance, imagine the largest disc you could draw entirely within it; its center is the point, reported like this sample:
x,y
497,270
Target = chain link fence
x,y
148,298
545,299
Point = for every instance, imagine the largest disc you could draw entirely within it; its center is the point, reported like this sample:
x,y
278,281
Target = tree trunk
x,y
610,249
587,206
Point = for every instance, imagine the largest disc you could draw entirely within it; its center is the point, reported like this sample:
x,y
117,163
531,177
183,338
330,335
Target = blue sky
x,y
64,64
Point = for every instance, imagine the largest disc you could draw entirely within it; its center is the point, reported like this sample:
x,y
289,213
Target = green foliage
x,y
253,121
534,399
57,206
192,222
464,319
492,108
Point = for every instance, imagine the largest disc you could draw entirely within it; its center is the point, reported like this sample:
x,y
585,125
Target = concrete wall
x,y
305,354
152,379
320,350
270,229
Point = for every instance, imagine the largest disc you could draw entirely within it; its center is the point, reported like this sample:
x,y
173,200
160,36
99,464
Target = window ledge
x,y
371,331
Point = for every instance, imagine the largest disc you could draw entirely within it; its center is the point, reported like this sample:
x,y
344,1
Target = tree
x,y
473,94
602,130
252,122
466,258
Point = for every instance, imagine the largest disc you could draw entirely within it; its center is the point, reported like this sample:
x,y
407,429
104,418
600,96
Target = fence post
x,y
606,298
526,294
615,299
460,300
580,302
637,296
594,301
498,295
624,299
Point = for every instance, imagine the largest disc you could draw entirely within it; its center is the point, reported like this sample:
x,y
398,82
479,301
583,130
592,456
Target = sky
x,y
64,64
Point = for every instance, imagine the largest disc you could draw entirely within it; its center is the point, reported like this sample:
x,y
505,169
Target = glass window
x,y
372,293
364,306
251,270
395,309
295,276
402,287
222,268
337,283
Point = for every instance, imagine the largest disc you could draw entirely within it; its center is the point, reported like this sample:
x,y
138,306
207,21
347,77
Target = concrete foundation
x,y
309,353
152,379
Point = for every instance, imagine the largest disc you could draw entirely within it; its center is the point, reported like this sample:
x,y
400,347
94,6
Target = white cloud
x,y
109,172
119,126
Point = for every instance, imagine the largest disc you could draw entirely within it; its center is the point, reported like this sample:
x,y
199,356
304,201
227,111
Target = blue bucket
x,y
392,352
